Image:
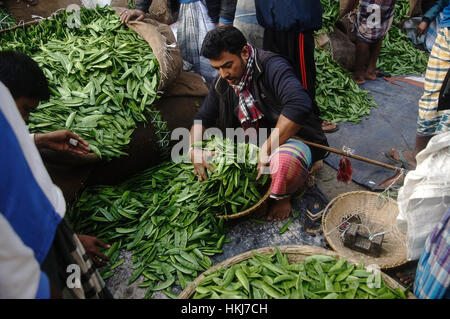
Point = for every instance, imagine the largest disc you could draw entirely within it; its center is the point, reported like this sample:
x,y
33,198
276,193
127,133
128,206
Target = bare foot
x,y
280,209
358,79
371,76
315,167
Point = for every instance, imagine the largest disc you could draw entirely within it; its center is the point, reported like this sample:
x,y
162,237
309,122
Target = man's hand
x,y
90,244
199,160
263,162
62,140
130,15
422,28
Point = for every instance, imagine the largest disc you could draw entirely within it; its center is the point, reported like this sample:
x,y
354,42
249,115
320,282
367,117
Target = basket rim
x,y
331,243
248,210
306,250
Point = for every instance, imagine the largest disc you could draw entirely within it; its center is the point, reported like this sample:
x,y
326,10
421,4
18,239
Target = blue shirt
x,y
445,23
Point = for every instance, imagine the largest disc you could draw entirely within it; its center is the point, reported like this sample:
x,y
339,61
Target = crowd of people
x,y
249,88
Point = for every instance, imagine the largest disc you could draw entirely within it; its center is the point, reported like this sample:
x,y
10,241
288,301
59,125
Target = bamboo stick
x,y
357,157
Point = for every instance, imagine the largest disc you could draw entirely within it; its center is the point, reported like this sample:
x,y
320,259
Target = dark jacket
x,y
444,96
218,10
286,15
276,90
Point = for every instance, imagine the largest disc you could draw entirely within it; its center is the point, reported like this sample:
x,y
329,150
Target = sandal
x,y
31,2
402,160
312,220
334,126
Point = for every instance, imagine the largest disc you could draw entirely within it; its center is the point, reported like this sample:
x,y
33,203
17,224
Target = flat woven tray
x,y
295,253
378,215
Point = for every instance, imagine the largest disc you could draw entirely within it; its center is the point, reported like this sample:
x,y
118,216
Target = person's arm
x,y
295,101
284,130
433,12
206,117
62,140
281,80
227,12
90,245
138,14
430,15
351,5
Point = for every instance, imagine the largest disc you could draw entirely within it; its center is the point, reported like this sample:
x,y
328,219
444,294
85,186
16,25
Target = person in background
x,y
432,280
432,119
431,22
373,21
289,30
258,89
195,19
32,207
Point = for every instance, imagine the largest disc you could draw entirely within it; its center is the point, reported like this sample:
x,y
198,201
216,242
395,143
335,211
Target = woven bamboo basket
x,y
378,215
260,205
295,253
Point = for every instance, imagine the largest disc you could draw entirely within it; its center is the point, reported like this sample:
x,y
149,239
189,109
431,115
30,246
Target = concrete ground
x,y
327,182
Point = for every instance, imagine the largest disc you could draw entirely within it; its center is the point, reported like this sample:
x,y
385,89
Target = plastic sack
x,y
425,195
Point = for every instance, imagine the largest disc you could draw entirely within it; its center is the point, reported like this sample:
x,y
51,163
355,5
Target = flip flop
x,y
31,2
403,161
335,129
381,74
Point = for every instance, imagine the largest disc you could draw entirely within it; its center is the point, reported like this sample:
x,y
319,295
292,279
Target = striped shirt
x,y
446,21
374,19
31,207
433,271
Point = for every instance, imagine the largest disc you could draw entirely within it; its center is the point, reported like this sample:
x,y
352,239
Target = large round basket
x,y
295,253
378,215
260,205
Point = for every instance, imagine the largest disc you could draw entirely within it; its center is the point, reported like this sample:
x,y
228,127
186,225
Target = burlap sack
x,y
162,41
158,10
341,47
188,84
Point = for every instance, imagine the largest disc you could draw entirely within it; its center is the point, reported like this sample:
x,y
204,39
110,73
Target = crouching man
x,y
258,89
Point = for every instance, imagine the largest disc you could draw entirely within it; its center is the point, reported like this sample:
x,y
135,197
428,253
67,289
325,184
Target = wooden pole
x,y
357,157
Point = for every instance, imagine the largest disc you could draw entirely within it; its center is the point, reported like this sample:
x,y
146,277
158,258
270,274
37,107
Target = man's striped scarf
x,y
249,114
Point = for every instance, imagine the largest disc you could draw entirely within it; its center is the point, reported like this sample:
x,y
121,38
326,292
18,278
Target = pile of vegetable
x,y
233,186
338,97
6,19
166,218
103,79
272,276
398,55
330,14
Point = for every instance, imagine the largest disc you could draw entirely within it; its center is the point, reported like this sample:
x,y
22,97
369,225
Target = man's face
x,y
230,66
25,106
